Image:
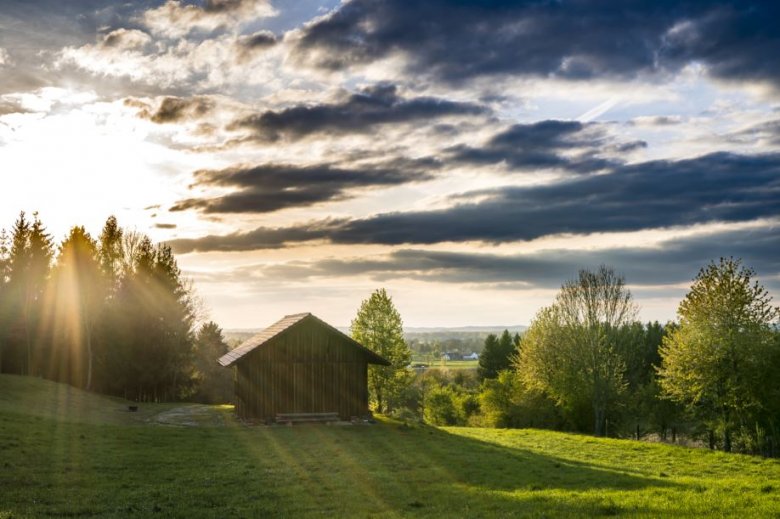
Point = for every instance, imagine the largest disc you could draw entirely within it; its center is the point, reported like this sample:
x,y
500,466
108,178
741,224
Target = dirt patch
x,y
193,415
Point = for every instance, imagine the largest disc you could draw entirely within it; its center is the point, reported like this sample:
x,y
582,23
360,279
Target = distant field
x,y
448,364
107,462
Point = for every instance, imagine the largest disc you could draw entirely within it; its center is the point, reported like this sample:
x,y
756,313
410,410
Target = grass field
x,y
65,453
450,364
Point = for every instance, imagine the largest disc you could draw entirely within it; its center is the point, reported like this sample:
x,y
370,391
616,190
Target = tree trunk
x,y
88,336
28,368
89,362
599,417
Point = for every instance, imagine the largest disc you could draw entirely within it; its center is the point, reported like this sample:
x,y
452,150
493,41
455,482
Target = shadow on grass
x,y
423,470
67,469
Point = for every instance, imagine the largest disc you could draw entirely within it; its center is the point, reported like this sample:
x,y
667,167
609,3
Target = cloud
x,y
673,262
174,109
126,39
180,67
5,58
160,52
719,187
357,113
571,145
260,238
766,133
655,120
457,41
10,105
175,19
250,45
267,188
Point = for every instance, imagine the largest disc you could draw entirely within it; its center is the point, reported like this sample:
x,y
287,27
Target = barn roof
x,y
283,325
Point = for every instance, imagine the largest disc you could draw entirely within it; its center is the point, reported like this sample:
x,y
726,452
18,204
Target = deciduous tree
x,y
572,349
716,360
378,327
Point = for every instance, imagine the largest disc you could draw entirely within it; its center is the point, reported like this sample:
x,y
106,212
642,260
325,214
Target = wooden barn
x,y
301,365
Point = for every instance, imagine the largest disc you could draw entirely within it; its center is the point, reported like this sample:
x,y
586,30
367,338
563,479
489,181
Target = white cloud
x,y
5,58
175,20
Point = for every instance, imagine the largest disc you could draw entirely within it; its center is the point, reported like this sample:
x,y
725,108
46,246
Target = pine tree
x,y
29,265
496,355
4,292
214,382
80,292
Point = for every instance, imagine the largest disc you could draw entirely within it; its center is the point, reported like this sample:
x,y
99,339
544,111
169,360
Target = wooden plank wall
x,y
306,369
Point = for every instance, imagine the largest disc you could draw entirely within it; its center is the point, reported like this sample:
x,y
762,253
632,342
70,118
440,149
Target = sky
x,y
469,157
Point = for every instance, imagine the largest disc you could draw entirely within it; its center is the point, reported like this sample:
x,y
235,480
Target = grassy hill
x,y
64,452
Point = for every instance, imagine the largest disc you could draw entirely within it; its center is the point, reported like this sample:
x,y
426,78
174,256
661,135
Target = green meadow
x,y
67,453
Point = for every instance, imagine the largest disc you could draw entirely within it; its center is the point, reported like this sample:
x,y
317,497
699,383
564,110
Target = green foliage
x,y
499,400
718,361
572,350
439,405
215,383
506,402
28,266
151,329
496,355
77,292
112,315
378,327
449,399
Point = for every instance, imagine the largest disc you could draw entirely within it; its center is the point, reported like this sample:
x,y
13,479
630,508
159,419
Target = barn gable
x,y
268,338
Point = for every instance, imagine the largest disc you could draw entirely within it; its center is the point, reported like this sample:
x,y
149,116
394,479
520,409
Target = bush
x,y
439,406
505,402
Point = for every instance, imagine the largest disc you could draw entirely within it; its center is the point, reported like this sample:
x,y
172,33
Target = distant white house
x,y
457,356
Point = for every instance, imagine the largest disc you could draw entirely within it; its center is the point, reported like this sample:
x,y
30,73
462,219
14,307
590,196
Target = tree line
x,y
587,364
111,314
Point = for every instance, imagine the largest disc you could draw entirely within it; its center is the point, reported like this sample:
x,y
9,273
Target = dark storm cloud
x,y
719,187
576,39
358,113
541,145
260,238
272,187
715,187
674,262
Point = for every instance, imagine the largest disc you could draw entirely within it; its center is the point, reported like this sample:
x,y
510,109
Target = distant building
x,y
471,356
451,355
301,364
